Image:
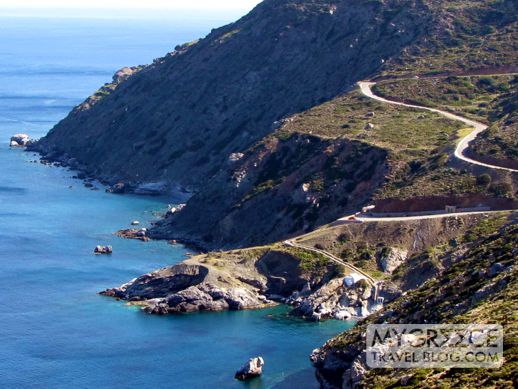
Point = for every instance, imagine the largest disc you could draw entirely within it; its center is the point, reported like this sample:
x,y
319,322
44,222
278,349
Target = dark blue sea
x,y
55,330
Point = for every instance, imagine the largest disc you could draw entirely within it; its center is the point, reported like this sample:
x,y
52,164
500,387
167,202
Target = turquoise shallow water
x,y
55,331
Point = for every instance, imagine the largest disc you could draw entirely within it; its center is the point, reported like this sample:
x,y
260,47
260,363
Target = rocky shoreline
x,y
316,288
188,288
115,184
241,282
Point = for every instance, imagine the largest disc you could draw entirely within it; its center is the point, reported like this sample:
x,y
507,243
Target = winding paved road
x,y
366,88
372,219
369,219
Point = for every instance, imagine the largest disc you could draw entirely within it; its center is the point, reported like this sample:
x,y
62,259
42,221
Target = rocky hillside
x,y
400,255
478,285
282,186
188,111
500,141
328,162
253,118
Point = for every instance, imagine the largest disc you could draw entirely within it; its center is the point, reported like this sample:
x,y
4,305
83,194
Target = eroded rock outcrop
x,y
253,368
134,233
391,258
337,300
161,283
233,282
207,297
19,140
118,78
189,288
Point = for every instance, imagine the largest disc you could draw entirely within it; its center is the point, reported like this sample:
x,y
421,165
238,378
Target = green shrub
x,y
484,180
340,271
362,284
501,189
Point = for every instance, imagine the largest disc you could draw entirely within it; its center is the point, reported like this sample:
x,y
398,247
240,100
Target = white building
x,y
352,279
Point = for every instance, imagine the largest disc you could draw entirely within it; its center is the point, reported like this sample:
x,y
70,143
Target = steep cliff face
x,y
181,117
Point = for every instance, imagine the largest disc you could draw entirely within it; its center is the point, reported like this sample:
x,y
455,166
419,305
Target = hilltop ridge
x,y
261,122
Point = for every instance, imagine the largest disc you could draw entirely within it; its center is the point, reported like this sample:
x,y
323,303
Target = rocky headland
x,y
316,287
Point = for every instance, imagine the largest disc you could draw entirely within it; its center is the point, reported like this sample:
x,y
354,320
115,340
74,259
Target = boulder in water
x,y
103,250
253,368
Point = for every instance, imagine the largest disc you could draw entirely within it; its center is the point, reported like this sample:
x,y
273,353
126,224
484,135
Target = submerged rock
x,y
234,157
19,140
253,368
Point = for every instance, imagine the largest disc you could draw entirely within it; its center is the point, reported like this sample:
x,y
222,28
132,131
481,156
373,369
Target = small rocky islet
x,y
253,368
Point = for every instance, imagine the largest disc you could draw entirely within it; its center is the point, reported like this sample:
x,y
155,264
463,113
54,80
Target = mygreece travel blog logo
x,y
434,346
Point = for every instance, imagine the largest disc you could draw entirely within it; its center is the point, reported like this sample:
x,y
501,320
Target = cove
x,y
56,331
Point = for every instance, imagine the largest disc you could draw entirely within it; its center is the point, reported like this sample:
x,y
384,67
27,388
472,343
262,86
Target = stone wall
x,y
429,204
